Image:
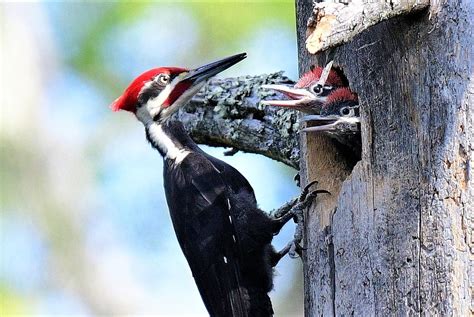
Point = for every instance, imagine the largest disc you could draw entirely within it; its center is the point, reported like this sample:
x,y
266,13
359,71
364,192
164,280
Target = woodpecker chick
x,y
339,115
224,236
311,91
330,106
339,118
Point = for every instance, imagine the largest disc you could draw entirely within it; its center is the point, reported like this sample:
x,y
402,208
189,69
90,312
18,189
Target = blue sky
x,y
93,223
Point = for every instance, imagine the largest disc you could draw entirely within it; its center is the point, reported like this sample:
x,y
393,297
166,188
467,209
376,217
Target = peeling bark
x,y
228,113
332,24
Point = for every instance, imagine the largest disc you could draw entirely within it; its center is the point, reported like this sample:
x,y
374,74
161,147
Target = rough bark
x,y
396,237
335,23
228,113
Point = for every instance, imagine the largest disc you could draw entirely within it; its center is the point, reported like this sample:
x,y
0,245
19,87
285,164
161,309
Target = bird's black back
x,y
224,236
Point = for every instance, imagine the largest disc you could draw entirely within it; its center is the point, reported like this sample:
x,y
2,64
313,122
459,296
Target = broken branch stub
x,y
333,24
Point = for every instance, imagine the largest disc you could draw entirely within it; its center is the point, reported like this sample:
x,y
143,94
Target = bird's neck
x,y
171,140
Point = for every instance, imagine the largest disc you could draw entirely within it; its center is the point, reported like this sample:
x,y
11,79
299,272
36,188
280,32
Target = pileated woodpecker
x,y
330,106
310,92
224,236
339,117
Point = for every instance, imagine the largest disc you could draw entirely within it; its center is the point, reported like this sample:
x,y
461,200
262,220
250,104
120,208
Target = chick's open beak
x,y
332,123
298,98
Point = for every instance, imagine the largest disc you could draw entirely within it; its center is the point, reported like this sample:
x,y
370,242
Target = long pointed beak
x,y
189,82
205,72
336,124
299,97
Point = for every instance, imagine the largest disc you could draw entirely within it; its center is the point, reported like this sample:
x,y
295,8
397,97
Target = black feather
x,y
224,236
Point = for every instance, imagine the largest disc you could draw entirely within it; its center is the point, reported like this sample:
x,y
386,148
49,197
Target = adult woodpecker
x,y
224,236
329,105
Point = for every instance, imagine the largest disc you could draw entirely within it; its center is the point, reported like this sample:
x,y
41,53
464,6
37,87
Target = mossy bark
x,y
228,113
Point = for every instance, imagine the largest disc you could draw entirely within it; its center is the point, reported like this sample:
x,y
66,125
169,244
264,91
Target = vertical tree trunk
x,y
396,236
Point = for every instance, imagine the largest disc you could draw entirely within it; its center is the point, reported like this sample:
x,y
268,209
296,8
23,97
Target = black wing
x,y
236,181
199,208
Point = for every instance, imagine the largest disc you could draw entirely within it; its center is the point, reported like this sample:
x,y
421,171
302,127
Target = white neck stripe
x,y
161,140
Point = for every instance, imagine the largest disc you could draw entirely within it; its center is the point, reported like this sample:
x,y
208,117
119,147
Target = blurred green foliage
x,y
62,140
87,58
12,304
222,23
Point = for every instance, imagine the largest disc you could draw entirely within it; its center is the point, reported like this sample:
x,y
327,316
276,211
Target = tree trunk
x,y
396,236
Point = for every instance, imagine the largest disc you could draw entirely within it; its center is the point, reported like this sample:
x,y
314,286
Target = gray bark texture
x,y
334,23
228,113
396,237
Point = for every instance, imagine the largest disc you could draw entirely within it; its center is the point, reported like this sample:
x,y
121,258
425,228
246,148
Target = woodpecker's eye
x,y
163,79
317,89
320,90
346,111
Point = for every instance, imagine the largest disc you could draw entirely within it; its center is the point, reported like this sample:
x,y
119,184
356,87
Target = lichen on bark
x,y
228,113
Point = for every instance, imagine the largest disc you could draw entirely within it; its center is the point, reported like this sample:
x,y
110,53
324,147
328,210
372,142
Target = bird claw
x,y
304,201
305,192
296,250
292,253
295,209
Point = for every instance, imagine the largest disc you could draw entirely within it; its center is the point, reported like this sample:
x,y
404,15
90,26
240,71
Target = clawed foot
x,y
294,209
293,249
297,212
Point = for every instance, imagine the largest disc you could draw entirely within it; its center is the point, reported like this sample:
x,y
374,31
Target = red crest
x,y
342,94
313,76
128,100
